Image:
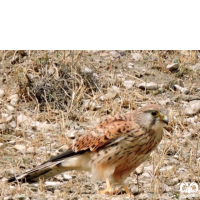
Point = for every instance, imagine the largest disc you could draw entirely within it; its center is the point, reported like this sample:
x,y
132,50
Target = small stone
x,y
115,89
52,183
115,54
164,102
139,170
196,67
128,84
20,147
181,89
1,146
14,96
107,96
190,97
23,119
13,102
136,56
67,177
71,133
173,66
148,86
88,70
10,108
193,107
31,150
15,59
1,93
5,118
172,182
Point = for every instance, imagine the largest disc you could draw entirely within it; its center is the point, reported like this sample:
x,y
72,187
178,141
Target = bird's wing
x,y
110,130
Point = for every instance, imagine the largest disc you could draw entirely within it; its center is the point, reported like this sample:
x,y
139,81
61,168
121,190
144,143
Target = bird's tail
x,y
50,168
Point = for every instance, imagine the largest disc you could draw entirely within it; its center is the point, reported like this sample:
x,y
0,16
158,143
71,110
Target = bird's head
x,y
153,117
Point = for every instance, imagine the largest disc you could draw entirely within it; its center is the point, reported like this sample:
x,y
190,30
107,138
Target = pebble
x,y
115,89
139,170
148,86
181,89
107,96
173,66
1,93
23,119
20,147
52,183
5,118
164,102
88,70
1,146
10,108
196,67
128,84
115,54
67,177
13,99
136,56
193,107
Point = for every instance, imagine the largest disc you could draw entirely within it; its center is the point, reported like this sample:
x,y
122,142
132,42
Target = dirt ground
x,y
48,98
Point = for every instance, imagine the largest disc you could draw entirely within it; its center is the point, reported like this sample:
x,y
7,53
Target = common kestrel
x,y
111,151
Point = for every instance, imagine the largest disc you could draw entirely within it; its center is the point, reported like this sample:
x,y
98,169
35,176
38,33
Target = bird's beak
x,y
164,119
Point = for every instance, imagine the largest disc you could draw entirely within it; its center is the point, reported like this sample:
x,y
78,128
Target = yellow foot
x,y
127,191
109,190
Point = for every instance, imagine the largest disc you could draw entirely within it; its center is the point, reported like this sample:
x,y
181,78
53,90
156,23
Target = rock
x,y
1,93
115,54
71,133
20,147
52,183
139,170
13,99
66,177
173,66
1,146
148,86
128,84
136,56
181,89
15,59
164,102
10,108
107,96
115,89
193,107
23,119
196,67
5,118
31,150
88,70
14,96
122,53
189,97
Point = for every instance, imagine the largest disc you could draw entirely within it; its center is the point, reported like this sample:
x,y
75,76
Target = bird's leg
x,y
127,191
108,190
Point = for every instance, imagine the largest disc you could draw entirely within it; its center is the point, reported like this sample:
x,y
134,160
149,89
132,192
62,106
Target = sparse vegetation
x,y
61,94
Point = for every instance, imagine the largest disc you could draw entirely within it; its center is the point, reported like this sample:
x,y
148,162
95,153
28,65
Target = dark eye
x,y
154,113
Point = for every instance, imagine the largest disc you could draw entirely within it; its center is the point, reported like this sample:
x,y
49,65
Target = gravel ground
x,y
47,98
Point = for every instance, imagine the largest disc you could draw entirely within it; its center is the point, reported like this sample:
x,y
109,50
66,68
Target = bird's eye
x,y
154,113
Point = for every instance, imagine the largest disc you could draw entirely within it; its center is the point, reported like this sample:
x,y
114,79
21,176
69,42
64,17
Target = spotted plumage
x,y
111,151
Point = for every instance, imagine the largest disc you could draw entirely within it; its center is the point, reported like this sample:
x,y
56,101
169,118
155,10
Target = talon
x,y
127,191
109,190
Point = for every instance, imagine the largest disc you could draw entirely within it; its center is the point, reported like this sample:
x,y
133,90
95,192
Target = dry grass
x,y
64,89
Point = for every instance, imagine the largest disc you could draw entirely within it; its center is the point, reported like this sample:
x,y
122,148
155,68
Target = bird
x,y
110,151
